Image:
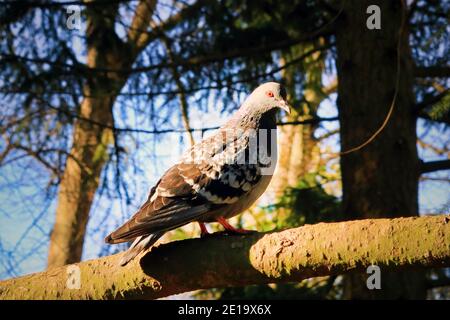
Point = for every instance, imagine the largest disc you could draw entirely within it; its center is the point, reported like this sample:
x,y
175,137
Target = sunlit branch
x,y
219,261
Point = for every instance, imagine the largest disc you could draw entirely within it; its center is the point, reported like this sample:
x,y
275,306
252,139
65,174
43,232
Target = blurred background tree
x,y
88,113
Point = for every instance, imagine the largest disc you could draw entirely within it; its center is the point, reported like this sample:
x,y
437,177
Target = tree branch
x,y
57,5
430,100
141,21
441,151
104,125
432,166
184,106
221,83
433,71
443,120
437,283
221,261
146,37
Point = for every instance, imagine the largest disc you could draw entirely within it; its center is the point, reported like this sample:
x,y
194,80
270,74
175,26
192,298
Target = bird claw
x,y
203,230
230,229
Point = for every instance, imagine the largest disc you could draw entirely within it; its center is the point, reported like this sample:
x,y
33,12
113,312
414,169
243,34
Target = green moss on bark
x,y
220,261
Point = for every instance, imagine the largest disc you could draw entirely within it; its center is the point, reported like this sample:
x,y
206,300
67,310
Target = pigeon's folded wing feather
x,y
189,190
171,203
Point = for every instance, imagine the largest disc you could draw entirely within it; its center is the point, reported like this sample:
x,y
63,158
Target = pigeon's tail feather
x,y
172,217
140,244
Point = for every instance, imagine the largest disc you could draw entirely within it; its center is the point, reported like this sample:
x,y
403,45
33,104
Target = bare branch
x,y
327,135
331,87
432,166
429,101
443,120
437,283
141,21
432,72
37,154
437,150
182,95
58,5
146,37
307,121
434,179
103,125
193,61
221,83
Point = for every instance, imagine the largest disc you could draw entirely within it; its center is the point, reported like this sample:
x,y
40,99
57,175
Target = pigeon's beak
x,y
284,105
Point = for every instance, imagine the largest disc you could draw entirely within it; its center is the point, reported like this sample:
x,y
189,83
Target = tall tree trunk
x,y
80,182
299,152
380,180
89,154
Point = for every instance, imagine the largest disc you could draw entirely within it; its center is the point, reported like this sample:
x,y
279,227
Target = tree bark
x,y
79,183
220,261
381,179
89,153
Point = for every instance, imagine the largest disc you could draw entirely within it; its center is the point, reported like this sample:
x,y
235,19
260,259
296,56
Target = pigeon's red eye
x,y
269,94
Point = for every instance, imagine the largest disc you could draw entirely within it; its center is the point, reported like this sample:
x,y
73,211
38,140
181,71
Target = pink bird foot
x,y
203,230
232,229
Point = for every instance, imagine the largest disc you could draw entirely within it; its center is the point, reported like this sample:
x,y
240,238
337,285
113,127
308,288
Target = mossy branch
x,y
221,261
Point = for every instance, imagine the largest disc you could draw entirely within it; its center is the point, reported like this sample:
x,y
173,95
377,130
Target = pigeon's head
x,y
268,96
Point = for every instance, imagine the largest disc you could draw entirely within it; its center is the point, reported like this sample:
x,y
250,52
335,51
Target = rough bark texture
x,y
88,153
380,180
220,261
79,184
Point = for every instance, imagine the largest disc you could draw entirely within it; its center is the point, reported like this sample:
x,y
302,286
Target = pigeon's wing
x,y
171,203
190,189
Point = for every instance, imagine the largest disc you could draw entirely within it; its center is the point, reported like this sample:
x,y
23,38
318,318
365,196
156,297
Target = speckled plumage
x,y
216,178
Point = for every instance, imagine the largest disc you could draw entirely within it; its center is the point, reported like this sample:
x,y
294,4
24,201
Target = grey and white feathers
x,y
216,178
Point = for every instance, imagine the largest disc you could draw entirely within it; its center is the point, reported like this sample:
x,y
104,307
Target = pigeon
x,y
216,179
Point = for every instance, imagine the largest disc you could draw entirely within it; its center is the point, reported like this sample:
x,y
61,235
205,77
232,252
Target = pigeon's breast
x,y
249,199
232,169
237,187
